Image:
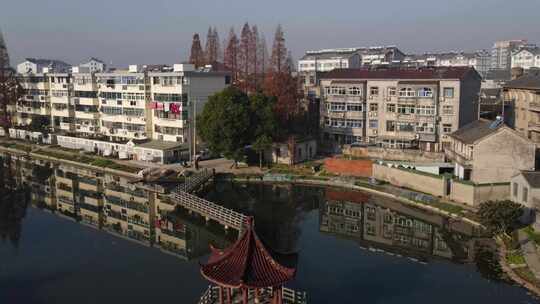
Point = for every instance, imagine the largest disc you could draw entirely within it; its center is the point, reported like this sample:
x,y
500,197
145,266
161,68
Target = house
x,y
489,152
294,151
526,191
37,66
526,58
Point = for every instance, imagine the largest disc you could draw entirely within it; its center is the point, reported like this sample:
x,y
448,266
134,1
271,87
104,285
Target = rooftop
x,y
528,81
247,263
44,61
401,73
162,145
476,130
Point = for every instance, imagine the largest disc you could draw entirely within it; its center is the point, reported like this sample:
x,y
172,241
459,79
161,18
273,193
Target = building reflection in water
x,y
110,203
395,228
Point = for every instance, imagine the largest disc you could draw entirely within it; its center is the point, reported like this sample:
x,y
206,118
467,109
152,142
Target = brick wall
x,y
359,168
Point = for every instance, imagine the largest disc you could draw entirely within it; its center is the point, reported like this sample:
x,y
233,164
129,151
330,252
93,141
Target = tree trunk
x,y
260,159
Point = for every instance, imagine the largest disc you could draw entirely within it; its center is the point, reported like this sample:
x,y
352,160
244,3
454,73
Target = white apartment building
x,y
501,53
526,58
94,65
480,60
140,103
329,59
123,96
178,95
398,108
37,66
35,101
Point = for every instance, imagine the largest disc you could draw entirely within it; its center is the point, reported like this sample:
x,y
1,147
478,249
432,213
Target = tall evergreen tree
x,y
219,54
230,56
197,55
262,54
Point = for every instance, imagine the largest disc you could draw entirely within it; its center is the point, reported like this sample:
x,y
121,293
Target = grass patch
x,y
526,274
16,146
515,257
534,236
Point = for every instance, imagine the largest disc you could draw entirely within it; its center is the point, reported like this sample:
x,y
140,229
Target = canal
x,y
353,248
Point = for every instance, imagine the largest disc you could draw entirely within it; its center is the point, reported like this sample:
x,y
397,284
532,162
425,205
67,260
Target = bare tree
x,y
230,56
279,51
211,48
244,55
197,55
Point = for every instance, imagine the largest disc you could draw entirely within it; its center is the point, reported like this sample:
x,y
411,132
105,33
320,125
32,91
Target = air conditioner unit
x,y
370,96
375,132
388,98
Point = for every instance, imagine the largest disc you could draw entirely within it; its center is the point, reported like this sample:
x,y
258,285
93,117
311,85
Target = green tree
x,y
224,123
500,216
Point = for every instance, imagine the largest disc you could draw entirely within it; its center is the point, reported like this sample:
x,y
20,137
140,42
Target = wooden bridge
x,y
182,196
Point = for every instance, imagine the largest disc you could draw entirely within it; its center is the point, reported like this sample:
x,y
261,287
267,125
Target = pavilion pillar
x,y
221,295
228,291
257,295
245,295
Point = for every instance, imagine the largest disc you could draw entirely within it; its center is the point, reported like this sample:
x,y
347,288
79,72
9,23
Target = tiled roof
x,y
532,177
528,81
476,130
247,263
397,73
498,75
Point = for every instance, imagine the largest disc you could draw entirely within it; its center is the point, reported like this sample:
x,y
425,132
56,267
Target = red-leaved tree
x,y
197,55
230,55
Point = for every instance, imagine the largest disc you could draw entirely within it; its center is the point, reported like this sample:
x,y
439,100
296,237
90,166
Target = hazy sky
x,y
160,31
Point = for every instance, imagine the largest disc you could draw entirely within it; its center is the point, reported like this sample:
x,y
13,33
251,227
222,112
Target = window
x,y
133,103
354,91
405,126
370,229
337,107
354,107
391,108
405,109
327,121
407,92
392,91
449,92
448,110
525,197
373,107
425,110
447,128
390,126
425,127
515,190
354,123
374,91
425,92
373,123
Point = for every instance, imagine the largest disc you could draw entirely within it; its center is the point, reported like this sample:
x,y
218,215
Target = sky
x,y
124,32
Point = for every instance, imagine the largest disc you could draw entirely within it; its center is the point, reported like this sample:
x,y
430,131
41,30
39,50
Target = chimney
x,y
516,72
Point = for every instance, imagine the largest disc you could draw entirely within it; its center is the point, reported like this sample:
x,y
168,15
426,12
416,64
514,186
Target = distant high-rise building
x,y
501,54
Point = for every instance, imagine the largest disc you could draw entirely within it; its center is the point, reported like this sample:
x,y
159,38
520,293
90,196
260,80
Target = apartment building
x,y
36,99
480,60
501,53
139,103
123,96
94,65
177,95
526,58
398,108
329,59
524,94
41,65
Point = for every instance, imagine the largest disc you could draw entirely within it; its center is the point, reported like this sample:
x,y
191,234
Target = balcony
x,y
86,115
534,126
66,126
427,137
344,98
534,106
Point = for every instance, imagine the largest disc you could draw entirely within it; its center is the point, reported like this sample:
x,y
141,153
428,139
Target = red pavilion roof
x,y
247,263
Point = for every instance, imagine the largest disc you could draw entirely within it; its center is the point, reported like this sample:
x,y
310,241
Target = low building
x,y
526,191
94,65
489,152
294,151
